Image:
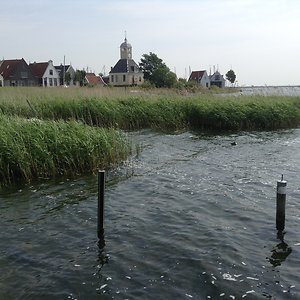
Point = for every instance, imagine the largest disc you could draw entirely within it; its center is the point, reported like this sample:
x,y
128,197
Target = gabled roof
x,y
105,79
217,76
197,75
91,78
61,67
8,67
38,69
124,65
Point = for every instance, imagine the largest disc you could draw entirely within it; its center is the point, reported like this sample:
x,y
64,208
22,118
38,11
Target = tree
x,y
156,71
67,78
79,76
230,76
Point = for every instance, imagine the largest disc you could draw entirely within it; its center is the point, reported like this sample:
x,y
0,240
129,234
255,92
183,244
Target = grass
x,y
45,133
32,149
135,109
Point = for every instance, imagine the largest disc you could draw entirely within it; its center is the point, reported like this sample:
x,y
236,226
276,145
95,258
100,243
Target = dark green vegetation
x,y
45,134
166,113
156,72
230,76
32,149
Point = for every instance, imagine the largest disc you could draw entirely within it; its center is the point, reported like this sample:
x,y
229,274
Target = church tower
x,y
126,71
125,50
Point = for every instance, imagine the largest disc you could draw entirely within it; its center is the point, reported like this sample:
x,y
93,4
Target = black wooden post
x,y
280,204
101,187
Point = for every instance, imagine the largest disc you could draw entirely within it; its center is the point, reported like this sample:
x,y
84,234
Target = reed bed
x,y
33,149
135,109
46,133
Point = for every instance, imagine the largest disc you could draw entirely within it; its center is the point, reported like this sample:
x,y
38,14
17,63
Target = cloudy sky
x,y
258,39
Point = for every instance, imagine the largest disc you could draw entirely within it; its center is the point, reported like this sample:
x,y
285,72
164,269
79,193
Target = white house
x,y
45,73
201,77
217,79
64,70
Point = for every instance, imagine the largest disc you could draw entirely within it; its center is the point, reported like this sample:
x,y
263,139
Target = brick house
x,y
16,72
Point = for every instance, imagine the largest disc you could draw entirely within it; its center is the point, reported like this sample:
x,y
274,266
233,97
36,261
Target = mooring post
x,y
101,187
280,204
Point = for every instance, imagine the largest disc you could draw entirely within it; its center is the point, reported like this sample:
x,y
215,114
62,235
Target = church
x,y
126,71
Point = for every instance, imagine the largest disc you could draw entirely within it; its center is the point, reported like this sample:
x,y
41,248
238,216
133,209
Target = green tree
x,y
68,78
79,76
230,76
156,72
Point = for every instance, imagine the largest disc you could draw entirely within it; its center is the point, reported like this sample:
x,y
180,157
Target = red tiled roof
x,y
196,75
91,78
38,69
8,67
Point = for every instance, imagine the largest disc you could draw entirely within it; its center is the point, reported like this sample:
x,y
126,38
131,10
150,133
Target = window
x,y
50,72
112,78
116,78
50,82
132,68
124,78
140,79
55,81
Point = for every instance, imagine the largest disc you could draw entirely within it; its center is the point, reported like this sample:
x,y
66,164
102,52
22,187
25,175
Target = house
x,y
200,77
92,79
217,79
105,79
45,73
66,74
126,72
16,72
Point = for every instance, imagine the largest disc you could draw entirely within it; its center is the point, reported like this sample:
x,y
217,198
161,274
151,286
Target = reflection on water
x,y
279,253
193,220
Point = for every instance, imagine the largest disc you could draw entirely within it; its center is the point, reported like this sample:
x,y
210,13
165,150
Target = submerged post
x,y
280,204
101,186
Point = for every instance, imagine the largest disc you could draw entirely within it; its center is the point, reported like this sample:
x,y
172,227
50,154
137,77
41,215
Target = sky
x,y
258,39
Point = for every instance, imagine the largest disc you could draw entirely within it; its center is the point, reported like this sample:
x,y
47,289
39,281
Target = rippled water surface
x,y
190,217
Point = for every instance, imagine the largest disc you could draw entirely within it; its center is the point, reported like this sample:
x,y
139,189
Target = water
x,y
271,91
281,91
191,217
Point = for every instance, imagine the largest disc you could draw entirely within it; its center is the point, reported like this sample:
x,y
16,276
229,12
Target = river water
x,y
280,91
190,217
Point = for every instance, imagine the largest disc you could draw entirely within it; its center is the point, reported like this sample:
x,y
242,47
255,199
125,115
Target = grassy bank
x,y
32,149
135,109
45,133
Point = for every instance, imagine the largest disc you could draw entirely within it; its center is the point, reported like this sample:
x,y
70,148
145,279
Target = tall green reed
x,y
163,112
32,149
